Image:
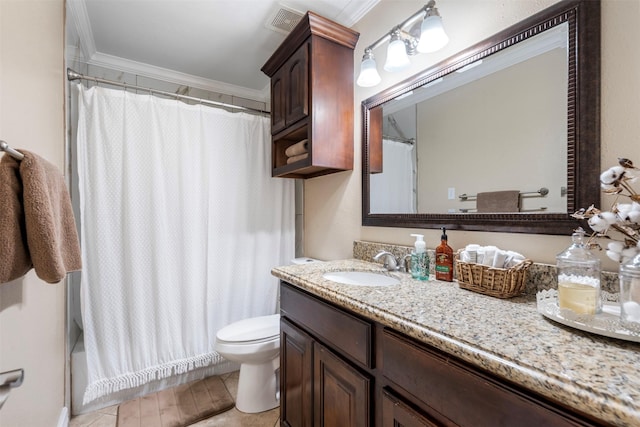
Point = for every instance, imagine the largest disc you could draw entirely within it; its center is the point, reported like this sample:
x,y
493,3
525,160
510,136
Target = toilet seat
x,y
250,331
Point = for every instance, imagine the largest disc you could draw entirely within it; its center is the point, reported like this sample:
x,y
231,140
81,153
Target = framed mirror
x,y
503,136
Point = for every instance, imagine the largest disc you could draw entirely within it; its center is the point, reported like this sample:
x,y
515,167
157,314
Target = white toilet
x,y
255,344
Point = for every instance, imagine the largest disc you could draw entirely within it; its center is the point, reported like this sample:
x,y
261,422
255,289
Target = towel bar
x,y
9,380
4,146
12,378
539,193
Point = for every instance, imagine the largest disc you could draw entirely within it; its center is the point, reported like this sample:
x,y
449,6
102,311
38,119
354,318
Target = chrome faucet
x,y
390,262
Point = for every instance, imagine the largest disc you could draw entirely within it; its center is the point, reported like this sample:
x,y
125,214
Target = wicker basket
x,y
493,281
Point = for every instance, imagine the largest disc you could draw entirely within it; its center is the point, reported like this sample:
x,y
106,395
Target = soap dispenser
x,y
444,259
420,259
579,277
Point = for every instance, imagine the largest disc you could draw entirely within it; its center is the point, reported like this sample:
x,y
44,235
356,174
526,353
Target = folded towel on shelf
x,y
498,201
296,158
15,261
297,149
49,225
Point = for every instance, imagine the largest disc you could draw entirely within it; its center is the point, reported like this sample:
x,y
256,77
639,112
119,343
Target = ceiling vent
x,y
284,20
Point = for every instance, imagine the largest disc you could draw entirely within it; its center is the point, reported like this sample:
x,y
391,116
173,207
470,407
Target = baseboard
x,y
63,419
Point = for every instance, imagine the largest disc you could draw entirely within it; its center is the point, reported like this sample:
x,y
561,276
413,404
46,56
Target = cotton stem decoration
x,y
620,224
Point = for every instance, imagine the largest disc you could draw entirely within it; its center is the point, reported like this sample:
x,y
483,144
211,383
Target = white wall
x,y
518,154
333,203
32,312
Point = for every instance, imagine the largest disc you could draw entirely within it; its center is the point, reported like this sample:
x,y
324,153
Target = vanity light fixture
x,y
397,57
408,38
368,72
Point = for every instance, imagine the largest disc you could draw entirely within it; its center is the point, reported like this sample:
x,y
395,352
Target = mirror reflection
x,y
502,136
489,137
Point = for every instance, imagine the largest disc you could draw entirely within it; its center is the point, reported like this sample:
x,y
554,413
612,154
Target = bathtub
x,y
78,360
79,381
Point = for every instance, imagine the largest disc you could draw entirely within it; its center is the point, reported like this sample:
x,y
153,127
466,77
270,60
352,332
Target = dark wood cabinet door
x,y
341,394
296,370
395,413
297,76
278,101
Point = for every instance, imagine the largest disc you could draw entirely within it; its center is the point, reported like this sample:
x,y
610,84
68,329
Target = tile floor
x,y
232,418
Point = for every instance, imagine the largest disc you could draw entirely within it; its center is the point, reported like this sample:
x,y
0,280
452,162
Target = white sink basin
x,y
361,278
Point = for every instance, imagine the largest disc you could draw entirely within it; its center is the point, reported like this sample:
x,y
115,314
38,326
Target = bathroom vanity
x,y
432,354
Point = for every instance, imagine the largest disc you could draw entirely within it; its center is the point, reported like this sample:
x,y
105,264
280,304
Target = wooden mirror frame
x,y
583,124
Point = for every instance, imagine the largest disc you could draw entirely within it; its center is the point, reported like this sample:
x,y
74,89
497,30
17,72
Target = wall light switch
x,y
452,193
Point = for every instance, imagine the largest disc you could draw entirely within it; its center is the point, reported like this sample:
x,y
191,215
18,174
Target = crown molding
x,y
355,10
88,54
80,18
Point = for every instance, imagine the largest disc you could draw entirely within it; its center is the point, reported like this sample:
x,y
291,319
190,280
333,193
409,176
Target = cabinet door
x,y
341,394
296,370
278,101
396,413
297,84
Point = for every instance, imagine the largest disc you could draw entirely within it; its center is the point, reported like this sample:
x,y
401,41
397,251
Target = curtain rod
x,y
72,75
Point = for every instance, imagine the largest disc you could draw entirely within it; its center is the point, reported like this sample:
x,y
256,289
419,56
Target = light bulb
x,y
432,34
368,73
397,59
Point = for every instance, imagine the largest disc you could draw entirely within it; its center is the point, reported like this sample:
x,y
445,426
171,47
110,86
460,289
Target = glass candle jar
x,y
579,278
630,294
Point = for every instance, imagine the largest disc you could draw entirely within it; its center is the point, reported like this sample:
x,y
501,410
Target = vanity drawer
x,y
342,331
464,395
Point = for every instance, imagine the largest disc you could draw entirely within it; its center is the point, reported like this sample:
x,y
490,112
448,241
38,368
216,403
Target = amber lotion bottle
x,y
444,259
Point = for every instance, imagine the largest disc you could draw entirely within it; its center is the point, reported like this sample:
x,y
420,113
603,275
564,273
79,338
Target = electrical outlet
x,y
452,193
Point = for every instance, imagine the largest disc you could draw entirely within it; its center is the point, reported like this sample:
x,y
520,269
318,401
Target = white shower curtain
x,y
394,190
181,223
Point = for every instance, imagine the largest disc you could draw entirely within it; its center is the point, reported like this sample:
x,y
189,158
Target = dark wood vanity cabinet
x,y
451,392
340,369
324,354
312,98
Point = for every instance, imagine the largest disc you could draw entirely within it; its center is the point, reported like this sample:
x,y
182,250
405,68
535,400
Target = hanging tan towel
x,y
51,236
297,149
15,261
498,201
296,158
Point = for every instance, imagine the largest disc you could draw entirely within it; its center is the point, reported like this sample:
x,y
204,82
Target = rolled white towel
x,y
513,259
472,252
500,258
489,255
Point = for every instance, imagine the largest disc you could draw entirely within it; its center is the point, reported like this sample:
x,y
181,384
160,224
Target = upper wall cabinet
x,y
312,99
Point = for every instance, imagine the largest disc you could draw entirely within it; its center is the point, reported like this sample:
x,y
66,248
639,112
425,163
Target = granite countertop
x,y
593,374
